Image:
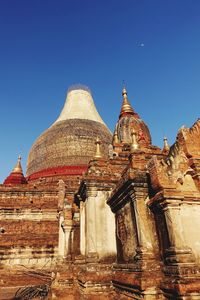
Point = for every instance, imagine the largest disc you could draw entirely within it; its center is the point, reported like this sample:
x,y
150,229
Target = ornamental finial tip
x,y
18,167
166,145
124,91
98,151
126,106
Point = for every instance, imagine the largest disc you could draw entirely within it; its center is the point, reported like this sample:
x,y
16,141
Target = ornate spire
x,y
98,151
166,145
115,137
126,106
16,176
18,167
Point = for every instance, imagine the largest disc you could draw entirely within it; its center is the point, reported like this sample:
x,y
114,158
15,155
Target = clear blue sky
x,y
46,45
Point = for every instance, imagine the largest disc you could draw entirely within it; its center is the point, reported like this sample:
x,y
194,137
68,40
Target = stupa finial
x,y
166,145
126,106
18,167
98,151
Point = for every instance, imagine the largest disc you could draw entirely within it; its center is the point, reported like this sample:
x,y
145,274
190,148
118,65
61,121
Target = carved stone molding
x,y
186,271
91,192
67,226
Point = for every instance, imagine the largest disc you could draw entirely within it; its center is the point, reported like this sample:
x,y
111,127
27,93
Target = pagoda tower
x,y
69,144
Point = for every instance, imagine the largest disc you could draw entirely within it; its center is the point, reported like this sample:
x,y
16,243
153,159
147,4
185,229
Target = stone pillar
x,y
61,241
61,200
91,249
75,236
67,228
144,247
82,228
178,252
105,228
97,225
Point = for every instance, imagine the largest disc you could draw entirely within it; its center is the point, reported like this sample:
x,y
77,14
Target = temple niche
x,y
102,216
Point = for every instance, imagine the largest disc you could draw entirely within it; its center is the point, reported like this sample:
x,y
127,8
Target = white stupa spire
x,y
79,104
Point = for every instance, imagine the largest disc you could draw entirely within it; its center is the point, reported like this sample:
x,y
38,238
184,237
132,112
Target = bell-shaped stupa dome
x,y
69,144
130,122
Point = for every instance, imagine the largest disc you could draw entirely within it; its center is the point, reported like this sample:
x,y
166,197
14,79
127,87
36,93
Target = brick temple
x,y
99,215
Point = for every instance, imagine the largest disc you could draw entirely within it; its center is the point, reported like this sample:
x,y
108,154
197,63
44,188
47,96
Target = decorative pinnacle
x,y
134,144
18,167
115,137
166,145
126,106
124,92
98,152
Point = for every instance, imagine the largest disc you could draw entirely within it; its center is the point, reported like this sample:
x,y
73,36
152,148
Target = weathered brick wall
x,y
29,225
